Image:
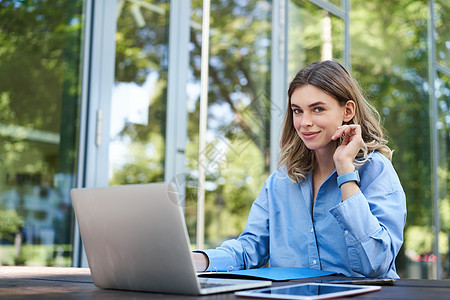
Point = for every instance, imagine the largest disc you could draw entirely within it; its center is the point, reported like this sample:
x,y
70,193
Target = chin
x,y
312,147
317,146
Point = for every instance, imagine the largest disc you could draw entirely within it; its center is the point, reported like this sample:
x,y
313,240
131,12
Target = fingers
x,y
348,130
349,147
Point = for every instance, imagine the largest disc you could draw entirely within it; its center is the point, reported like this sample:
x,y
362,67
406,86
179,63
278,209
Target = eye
x,y
318,109
297,111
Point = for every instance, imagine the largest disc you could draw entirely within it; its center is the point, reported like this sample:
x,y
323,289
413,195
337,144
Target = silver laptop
x,y
136,239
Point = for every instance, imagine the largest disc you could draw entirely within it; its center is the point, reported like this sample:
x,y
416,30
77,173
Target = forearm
x,y
374,257
372,243
233,255
349,188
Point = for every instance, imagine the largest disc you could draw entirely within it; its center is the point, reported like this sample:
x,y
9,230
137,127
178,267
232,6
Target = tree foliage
x,y
10,224
389,57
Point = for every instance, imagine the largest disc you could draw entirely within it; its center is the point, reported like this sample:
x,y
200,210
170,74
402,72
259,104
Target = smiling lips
x,y
310,135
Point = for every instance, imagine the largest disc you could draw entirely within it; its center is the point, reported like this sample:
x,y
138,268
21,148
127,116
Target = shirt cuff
x,y
219,260
355,218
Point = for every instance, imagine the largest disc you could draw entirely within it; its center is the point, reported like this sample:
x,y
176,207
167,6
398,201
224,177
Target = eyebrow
x,y
311,105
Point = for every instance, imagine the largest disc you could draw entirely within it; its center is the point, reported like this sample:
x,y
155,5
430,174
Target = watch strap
x,y
352,176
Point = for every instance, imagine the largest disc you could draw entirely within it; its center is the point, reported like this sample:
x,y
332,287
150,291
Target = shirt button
x,y
314,262
345,232
312,229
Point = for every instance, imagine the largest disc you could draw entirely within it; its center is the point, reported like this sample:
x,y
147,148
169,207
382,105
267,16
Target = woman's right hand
x,y
201,261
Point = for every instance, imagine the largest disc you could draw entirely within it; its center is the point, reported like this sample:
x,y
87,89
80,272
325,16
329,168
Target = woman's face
x,y
316,116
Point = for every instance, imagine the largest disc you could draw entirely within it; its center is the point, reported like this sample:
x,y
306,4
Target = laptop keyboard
x,y
206,284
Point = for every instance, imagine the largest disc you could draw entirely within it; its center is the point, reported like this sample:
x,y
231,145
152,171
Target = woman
x,y
335,203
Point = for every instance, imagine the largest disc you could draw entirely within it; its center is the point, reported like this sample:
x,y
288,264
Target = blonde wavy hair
x,y
332,78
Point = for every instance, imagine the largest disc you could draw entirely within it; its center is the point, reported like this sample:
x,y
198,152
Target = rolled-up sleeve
x,y
372,221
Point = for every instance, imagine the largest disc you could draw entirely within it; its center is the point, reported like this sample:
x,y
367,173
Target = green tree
x,y
40,44
390,59
10,224
394,78
239,84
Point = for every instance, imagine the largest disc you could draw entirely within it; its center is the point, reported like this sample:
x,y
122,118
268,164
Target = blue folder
x,y
272,273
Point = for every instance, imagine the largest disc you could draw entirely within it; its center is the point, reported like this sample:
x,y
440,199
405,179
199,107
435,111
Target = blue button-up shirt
x,y
358,237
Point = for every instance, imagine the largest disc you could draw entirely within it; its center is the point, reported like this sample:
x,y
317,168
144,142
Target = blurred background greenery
x,y
40,63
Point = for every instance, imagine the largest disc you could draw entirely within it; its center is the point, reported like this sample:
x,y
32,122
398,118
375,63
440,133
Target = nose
x,y
306,120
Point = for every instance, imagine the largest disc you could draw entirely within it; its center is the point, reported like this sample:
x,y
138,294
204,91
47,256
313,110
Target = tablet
x,y
309,291
363,281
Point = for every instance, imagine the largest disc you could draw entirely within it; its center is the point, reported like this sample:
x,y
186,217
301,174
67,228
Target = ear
x,y
349,110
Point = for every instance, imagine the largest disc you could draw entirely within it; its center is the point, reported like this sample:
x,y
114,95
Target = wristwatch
x,y
352,176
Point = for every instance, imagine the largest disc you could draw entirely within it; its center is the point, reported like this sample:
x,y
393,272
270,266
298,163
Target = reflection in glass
x,y
443,129
314,35
39,104
442,23
395,79
138,105
238,140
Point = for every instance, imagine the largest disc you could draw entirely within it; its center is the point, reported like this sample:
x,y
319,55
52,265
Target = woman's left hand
x,y
346,152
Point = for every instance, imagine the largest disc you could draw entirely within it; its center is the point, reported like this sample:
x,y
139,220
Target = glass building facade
x,y
97,93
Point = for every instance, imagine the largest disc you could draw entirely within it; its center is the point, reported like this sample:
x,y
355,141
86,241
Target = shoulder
x,y
376,159
278,189
379,170
278,180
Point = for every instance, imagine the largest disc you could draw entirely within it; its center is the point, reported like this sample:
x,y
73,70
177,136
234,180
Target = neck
x,y
324,164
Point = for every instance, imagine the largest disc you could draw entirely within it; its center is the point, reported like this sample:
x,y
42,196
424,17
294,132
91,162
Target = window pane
x,y
237,151
138,108
39,105
443,128
396,82
314,35
442,23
